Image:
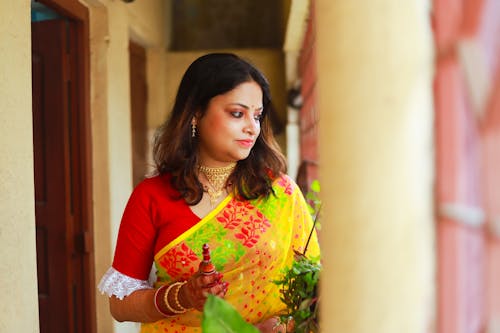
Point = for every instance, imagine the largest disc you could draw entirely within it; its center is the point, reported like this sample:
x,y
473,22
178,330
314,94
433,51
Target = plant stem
x,y
312,230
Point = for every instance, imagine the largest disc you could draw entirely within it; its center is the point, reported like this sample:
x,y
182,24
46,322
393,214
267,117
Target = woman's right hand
x,y
273,325
194,293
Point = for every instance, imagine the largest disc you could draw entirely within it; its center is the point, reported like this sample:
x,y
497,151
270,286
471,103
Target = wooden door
x,y
60,238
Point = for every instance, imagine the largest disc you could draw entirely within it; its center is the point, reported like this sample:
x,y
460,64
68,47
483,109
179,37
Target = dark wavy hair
x,y
174,149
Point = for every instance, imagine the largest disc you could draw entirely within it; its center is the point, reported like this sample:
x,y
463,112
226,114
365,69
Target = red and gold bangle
x,y
176,296
167,303
157,301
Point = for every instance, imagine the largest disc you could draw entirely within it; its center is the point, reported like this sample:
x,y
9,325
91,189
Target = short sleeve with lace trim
x,y
114,283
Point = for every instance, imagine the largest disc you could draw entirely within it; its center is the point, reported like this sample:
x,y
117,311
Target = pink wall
x,y
309,112
467,166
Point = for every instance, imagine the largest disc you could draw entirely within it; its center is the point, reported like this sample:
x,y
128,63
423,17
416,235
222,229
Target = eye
x,y
237,114
258,117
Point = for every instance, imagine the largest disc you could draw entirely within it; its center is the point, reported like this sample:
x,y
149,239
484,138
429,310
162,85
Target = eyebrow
x,y
247,107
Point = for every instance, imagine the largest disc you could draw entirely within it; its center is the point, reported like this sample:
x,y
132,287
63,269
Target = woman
x,y
221,182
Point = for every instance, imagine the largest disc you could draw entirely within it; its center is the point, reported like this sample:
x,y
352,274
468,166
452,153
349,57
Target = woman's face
x,y
230,125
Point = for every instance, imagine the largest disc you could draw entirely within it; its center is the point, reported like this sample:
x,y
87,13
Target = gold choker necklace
x,y
217,178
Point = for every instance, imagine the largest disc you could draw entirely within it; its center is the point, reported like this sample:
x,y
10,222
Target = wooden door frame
x,y
138,88
77,12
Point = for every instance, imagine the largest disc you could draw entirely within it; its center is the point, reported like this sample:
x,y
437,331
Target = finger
x,y
219,288
222,293
197,294
224,289
208,280
200,281
215,279
204,292
281,328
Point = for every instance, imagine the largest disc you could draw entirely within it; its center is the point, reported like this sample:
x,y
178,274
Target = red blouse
x,y
153,217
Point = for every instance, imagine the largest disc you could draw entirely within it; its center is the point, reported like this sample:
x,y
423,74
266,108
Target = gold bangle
x,y
176,296
167,304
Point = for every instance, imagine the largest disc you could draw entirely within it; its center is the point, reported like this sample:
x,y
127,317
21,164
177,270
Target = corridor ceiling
x,y
219,24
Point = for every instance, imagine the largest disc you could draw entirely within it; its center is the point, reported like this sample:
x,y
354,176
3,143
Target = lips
x,y
246,143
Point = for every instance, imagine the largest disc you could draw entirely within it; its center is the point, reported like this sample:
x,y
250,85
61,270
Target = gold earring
x,y
193,130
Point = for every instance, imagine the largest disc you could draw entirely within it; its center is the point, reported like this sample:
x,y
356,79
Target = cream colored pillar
x,y
99,41
119,126
18,279
376,123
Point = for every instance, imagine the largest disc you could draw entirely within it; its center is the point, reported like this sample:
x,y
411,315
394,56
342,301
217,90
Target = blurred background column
x,y
375,70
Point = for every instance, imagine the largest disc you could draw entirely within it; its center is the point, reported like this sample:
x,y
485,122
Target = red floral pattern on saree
x,y
232,216
286,184
246,220
179,257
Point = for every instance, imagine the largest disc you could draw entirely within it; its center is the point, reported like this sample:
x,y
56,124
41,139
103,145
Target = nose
x,y
251,126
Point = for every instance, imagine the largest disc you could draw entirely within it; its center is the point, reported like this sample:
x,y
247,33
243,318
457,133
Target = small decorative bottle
x,y
206,266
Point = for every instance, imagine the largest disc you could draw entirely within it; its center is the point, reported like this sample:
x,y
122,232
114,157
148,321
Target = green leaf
x,y
315,186
305,304
311,196
221,317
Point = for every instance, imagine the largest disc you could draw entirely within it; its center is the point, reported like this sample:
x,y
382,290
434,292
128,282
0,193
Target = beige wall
x,y
270,62
147,22
18,283
376,123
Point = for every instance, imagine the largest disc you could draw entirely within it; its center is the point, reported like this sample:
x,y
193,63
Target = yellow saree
x,y
251,243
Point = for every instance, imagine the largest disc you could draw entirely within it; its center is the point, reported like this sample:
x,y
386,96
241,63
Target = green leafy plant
x,y
221,317
299,292
299,285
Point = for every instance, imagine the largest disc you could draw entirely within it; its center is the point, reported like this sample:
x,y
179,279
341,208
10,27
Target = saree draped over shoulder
x,y
251,243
